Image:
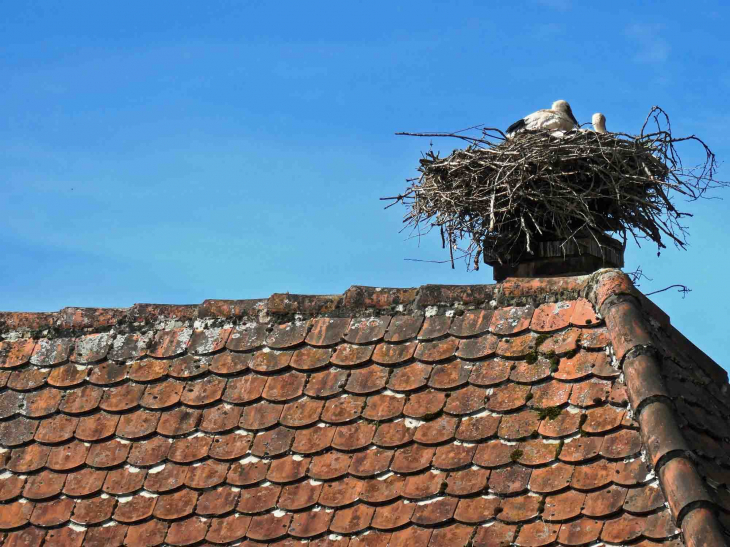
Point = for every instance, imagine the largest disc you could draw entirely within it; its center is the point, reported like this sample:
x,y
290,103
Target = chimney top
x,y
579,256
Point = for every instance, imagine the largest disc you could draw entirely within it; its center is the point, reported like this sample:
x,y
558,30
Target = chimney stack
x,y
580,256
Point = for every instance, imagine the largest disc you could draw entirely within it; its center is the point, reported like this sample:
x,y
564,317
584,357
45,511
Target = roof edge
x,y
621,304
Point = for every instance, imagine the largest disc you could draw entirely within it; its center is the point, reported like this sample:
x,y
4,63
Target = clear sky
x,y
170,152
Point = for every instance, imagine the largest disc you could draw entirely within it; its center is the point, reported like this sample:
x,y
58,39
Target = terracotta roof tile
x,y
434,512
527,372
563,506
48,353
64,537
552,317
340,493
520,425
11,487
565,424
476,510
384,406
187,532
309,358
370,462
467,481
510,480
393,516
177,505
349,355
367,380
68,456
301,413
84,482
228,529
580,532
268,360
479,347
300,495
352,519
446,376
364,331
128,346
412,458
150,533
220,418
434,326
537,452
519,508
551,479
122,397
34,405
170,343
179,421
496,534
244,388
14,354
453,456
330,465
581,449
403,327
288,469
353,436
261,415
52,513
132,509
410,377
105,536
478,427
518,346
424,403
537,533
382,489
623,528
272,442
604,502
229,362
436,350
189,449
309,524
68,375
26,379
247,471
166,477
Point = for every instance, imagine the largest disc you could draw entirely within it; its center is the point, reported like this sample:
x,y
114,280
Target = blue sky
x,y
170,152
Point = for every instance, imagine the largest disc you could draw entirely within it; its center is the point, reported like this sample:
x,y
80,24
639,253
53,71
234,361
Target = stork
x,y
599,123
559,117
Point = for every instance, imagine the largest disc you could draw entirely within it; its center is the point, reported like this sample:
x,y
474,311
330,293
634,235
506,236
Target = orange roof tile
x,y
482,415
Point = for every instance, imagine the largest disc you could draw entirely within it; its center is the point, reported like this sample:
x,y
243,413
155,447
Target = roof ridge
x,y
616,298
356,298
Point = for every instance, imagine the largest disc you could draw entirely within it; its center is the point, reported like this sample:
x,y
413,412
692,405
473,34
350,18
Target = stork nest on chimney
x,y
498,198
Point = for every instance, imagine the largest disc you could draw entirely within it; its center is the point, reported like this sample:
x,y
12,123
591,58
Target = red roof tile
x,y
369,416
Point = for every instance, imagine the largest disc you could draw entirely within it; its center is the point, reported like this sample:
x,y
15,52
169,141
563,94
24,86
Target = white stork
x,y
559,117
599,123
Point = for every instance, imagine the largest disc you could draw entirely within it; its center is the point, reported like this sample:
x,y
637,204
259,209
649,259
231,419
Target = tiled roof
x,y
563,411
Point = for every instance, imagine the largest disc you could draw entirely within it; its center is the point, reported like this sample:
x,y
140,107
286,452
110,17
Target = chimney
x,y
578,256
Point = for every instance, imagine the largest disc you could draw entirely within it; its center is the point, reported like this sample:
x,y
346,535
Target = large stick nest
x,y
498,197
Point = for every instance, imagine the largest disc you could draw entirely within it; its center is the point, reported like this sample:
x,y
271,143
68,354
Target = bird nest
x,y
498,198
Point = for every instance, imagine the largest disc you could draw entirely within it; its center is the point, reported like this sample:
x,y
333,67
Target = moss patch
x,y
550,412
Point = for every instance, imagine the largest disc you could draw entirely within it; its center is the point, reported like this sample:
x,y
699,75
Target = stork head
x,y
564,107
599,122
